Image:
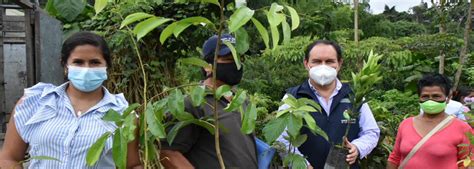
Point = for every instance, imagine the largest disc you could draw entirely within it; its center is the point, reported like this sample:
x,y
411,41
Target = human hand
x,y
353,152
310,167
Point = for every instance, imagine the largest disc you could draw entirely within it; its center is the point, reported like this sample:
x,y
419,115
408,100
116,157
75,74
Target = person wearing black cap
x,y
194,146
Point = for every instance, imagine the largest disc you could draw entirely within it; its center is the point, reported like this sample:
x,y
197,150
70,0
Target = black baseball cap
x,y
210,46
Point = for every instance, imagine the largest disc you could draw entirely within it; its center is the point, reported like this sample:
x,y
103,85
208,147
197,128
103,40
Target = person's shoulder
x,y
293,90
39,88
120,99
407,122
461,124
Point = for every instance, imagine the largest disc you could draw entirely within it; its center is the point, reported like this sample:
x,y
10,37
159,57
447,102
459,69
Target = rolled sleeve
x,y
369,134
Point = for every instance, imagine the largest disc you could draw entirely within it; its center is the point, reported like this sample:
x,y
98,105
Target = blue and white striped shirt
x,y
46,120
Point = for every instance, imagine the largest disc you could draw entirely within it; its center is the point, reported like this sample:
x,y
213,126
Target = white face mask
x,y
323,74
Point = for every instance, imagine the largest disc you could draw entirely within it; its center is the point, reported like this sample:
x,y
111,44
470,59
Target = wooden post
x,y
356,22
2,77
30,49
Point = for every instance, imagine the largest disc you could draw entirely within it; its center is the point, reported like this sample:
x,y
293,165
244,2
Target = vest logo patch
x,y
345,100
352,121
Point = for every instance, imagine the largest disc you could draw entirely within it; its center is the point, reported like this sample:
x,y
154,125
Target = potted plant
x,y
362,84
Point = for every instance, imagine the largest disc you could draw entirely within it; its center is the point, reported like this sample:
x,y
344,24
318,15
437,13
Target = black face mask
x,y
228,73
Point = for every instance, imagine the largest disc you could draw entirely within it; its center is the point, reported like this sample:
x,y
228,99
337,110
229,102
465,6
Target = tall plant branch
x,y
145,86
214,87
356,22
442,30
462,55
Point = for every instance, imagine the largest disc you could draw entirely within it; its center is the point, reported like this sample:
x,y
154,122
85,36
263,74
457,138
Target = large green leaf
x,y
144,27
241,41
99,5
234,54
300,139
119,150
180,27
239,18
286,32
290,101
208,126
295,161
294,125
282,112
176,102
69,9
167,32
195,61
152,150
250,117
263,32
154,124
275,36
50,8
274,16
223,90
185,23
197,95
129,126
306,109
321,132
237,101
295,18
113,116
134,17
175,129
215,2
310,121
129,109
310,102
274,128
94,152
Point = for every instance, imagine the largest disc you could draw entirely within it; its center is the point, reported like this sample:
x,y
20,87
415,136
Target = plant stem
x,y
214,88
177,87
135,46
145,86
347,130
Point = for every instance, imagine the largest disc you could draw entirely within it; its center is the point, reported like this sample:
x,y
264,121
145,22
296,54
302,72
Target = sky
x,y
377,6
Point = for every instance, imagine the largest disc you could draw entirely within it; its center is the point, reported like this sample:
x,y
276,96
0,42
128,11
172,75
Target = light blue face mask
x,y
87,79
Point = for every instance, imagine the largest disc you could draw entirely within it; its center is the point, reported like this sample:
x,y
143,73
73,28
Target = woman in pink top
x,y
441,151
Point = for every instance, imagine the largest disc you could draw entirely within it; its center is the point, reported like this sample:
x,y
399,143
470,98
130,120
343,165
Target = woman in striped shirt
x,y
64,121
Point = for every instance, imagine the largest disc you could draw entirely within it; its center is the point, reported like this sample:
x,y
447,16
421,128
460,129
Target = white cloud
x,y
377,6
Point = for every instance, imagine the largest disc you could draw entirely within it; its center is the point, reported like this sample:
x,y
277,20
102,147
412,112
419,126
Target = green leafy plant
x,y
466,151
153,124
362,85
297,115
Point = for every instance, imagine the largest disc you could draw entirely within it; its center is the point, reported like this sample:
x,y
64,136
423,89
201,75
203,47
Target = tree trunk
x,y
462,54
442,30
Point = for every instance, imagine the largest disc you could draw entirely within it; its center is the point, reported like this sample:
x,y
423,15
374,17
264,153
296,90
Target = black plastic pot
x,y
336,158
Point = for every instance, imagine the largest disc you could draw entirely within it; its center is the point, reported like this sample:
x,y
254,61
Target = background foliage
x,y
408,41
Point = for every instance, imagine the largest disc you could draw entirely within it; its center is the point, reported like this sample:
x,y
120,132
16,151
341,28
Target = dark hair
x,y
325,42
461,92
435,79
85,38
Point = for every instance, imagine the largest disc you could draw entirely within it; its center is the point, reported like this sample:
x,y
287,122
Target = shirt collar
x,y
61,91
338,87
